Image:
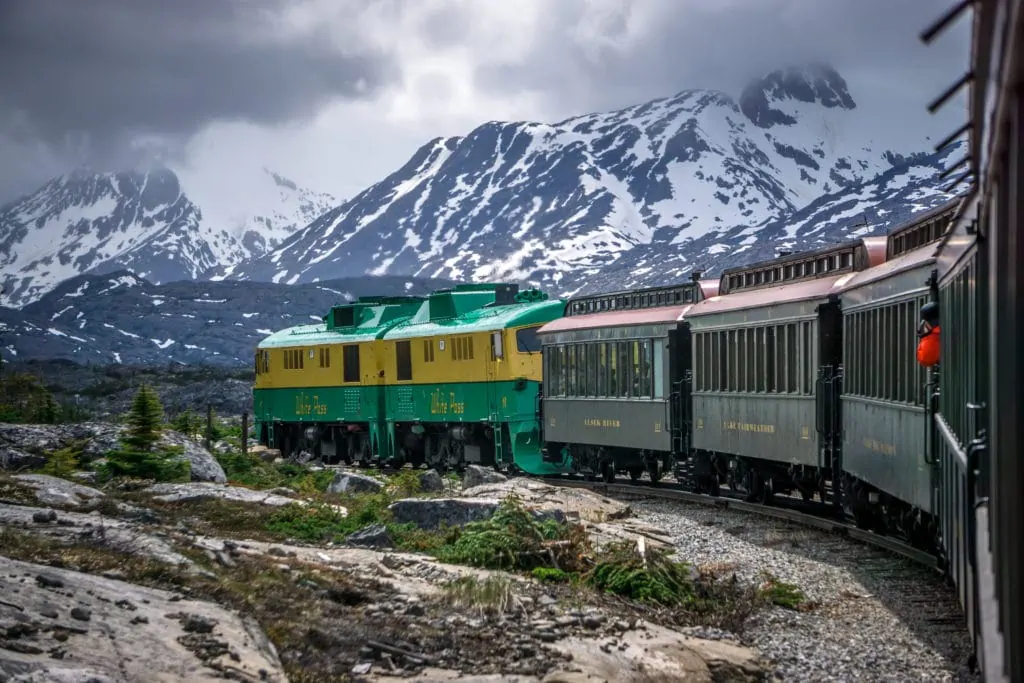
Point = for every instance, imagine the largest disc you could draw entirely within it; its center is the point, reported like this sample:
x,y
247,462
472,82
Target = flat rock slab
x,y
589,506
65,625
172,493
56,491
642,656
72,527
408,573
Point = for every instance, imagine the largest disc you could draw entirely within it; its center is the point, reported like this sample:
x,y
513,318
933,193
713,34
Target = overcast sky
x,y
337,93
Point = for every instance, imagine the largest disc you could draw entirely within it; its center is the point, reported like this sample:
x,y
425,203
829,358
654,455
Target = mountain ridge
x,y
558,204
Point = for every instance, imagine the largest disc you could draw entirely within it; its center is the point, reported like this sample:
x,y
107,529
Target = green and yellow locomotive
x,y
444,380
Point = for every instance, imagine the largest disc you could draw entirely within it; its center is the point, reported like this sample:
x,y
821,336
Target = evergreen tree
x,y
145,420
188,423
140,454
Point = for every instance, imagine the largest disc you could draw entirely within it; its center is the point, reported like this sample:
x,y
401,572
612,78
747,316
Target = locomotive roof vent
x,y
696,275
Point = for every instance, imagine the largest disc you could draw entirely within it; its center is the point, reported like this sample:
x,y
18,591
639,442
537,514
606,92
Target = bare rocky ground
x,y
205,581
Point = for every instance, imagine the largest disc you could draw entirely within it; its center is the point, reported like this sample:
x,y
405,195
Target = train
x,y
794,376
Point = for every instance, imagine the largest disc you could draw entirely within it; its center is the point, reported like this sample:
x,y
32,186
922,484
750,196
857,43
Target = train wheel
x,y
635,473
608,472
654,471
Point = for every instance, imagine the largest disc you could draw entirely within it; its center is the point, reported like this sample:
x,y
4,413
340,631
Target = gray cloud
x,y
724,44
86,76
109,69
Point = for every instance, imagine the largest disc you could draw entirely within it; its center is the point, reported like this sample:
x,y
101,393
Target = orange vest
x,y
928,348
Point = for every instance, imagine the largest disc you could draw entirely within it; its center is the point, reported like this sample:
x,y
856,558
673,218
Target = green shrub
x,y
651,577
513,538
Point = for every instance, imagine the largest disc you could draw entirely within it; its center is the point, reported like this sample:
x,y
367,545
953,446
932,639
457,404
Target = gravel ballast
x,y
877,617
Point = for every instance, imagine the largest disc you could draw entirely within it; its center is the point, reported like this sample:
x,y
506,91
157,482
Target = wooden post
x,y
209,425
245,433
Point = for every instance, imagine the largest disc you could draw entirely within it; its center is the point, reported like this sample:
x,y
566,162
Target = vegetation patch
x,y
489,595
64,461
245,469
648,576
784,594
516,539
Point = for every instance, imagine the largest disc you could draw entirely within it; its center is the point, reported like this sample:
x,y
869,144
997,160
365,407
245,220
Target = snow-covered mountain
x,y
147,221
873,207
578,201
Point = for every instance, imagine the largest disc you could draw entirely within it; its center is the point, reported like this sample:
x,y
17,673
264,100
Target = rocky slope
x,y
122,318
695,175
96,580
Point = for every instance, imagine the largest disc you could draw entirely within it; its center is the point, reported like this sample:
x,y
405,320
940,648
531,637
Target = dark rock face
x,y
351,482
433,513
476,475
373,536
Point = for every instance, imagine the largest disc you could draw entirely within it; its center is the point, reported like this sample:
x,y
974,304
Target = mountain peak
x,y
814,83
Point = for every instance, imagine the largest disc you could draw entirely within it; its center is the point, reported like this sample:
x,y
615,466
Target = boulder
x,y
373,536
350,482
475,475
57,491
63,625
589,506
433,513
431,481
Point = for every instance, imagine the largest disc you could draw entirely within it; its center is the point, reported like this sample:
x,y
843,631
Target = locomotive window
x,y
403,361
602,369
527,340
350,362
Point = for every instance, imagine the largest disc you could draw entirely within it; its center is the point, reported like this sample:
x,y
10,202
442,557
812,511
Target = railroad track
x,y
788,514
